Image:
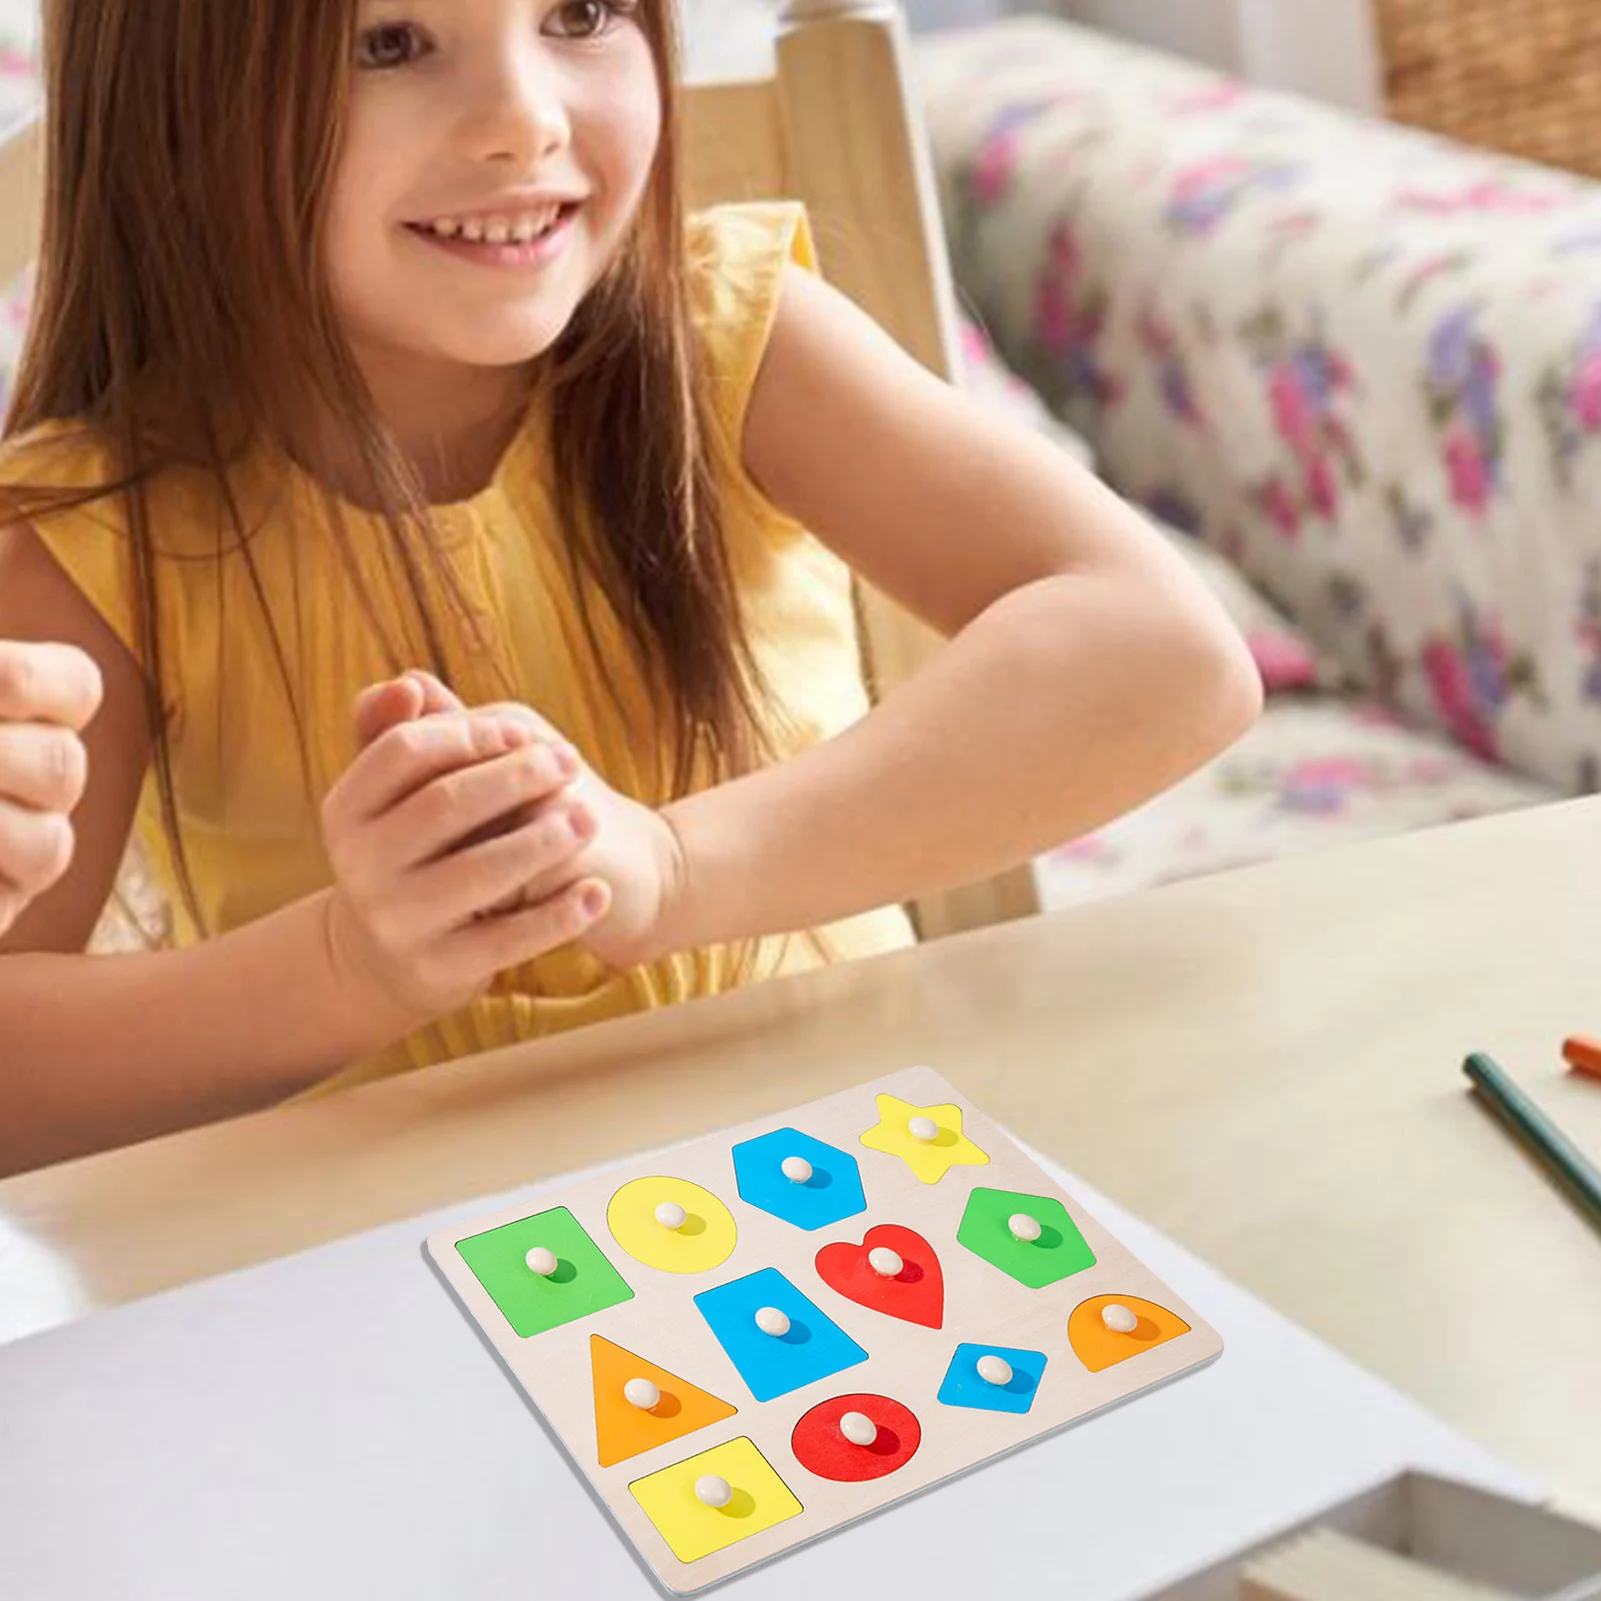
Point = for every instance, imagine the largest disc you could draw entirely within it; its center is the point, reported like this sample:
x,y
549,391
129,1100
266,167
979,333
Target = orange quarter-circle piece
x,y
1099,1347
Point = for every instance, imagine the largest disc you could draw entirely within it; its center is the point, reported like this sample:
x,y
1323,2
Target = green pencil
x,y
1555,1150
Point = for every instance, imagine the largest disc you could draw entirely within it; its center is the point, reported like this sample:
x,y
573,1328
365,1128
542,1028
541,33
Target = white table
x,y
248,1438
1265,1065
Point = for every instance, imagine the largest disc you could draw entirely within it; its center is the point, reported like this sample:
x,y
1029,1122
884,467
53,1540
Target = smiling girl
x,y
374,354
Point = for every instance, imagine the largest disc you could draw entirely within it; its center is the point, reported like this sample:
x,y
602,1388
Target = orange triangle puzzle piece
x,y
622,1429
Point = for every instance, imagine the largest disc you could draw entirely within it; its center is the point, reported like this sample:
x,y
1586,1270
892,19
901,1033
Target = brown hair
x,y
182,314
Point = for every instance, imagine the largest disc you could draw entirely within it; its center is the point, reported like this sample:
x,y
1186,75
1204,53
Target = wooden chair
x,y
834,128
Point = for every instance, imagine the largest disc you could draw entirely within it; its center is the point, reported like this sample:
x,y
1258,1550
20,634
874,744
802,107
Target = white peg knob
x,y
858,1428
542,1261
885,1262
642,1393
771,1321
796,1169
713,1490
994,1370
1024,1227
1119,1319
671,1215
923,1128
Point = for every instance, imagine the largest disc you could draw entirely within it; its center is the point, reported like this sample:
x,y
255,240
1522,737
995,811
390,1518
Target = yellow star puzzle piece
x,y
928,1139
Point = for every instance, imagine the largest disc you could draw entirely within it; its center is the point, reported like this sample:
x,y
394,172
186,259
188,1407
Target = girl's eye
x,y
391,45
588,19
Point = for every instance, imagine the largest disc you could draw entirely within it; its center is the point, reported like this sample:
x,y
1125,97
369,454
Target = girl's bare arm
x,y
1088,668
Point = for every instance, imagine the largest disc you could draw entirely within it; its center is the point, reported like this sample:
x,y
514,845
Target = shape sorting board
x,y
975,1336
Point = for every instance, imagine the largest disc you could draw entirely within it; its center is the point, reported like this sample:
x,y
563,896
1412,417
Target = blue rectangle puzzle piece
x,y
812,1348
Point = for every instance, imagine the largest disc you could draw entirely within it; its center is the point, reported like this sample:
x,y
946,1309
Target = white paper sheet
x,y
330,1425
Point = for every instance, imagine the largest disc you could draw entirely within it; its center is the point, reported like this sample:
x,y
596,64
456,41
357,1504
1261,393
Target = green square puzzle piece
x,y
1058,1253
584,1280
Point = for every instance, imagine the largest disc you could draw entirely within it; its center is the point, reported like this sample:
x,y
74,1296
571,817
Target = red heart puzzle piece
x,y
916,1294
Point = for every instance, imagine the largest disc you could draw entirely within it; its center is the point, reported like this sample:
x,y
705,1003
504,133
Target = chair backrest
x,y
834,128
21,196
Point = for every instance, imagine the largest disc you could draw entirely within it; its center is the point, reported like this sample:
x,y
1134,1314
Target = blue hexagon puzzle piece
x,y
832,1193
964,1387
775,1364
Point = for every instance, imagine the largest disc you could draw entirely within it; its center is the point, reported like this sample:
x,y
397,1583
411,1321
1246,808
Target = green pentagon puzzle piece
x,y
1058,1253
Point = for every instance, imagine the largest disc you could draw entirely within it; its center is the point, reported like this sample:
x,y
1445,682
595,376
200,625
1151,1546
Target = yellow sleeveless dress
x,y
250,825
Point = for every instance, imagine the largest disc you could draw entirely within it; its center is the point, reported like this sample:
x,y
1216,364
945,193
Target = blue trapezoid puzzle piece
x,y
831,1193
771,1365
963,1385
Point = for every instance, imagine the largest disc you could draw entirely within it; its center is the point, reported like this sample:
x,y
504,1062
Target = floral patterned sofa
x,y
1359,366
1354,369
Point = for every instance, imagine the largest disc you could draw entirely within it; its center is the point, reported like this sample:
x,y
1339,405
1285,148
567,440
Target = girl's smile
x,y
528,237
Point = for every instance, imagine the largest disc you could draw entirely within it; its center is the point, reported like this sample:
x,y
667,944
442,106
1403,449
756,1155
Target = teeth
x,y
498,230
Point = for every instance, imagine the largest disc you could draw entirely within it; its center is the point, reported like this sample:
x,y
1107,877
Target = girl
x,y
372,355
47,694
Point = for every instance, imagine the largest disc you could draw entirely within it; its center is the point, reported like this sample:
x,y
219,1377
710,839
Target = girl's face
x,y
496,154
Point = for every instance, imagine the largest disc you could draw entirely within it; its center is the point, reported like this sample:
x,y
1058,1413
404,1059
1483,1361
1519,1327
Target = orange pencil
x,y
1582,1055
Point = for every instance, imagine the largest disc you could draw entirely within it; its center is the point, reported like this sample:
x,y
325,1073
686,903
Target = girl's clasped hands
x,y
467,840
463,840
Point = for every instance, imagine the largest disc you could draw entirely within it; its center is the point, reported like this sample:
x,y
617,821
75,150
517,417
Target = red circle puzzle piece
x,y
820,1447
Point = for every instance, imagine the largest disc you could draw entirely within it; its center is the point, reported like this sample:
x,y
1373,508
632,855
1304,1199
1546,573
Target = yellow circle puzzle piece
x,y
928,1139
671,1224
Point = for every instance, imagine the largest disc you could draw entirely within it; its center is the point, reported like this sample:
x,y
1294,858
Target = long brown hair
x,y
182,313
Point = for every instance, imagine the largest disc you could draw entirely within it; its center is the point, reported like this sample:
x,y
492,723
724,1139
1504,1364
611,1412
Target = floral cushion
x,y
1320,768
1317,771
1283,654
1362,363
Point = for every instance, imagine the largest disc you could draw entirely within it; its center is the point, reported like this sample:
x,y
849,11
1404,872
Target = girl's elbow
x,y
1227,684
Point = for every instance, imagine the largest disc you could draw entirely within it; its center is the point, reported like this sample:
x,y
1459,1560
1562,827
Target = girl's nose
x,y
522,116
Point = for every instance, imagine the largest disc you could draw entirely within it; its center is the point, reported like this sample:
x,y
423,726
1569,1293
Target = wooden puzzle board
x,y
751,1442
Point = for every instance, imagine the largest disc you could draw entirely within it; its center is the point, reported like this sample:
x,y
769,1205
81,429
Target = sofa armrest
x,y
1361,362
